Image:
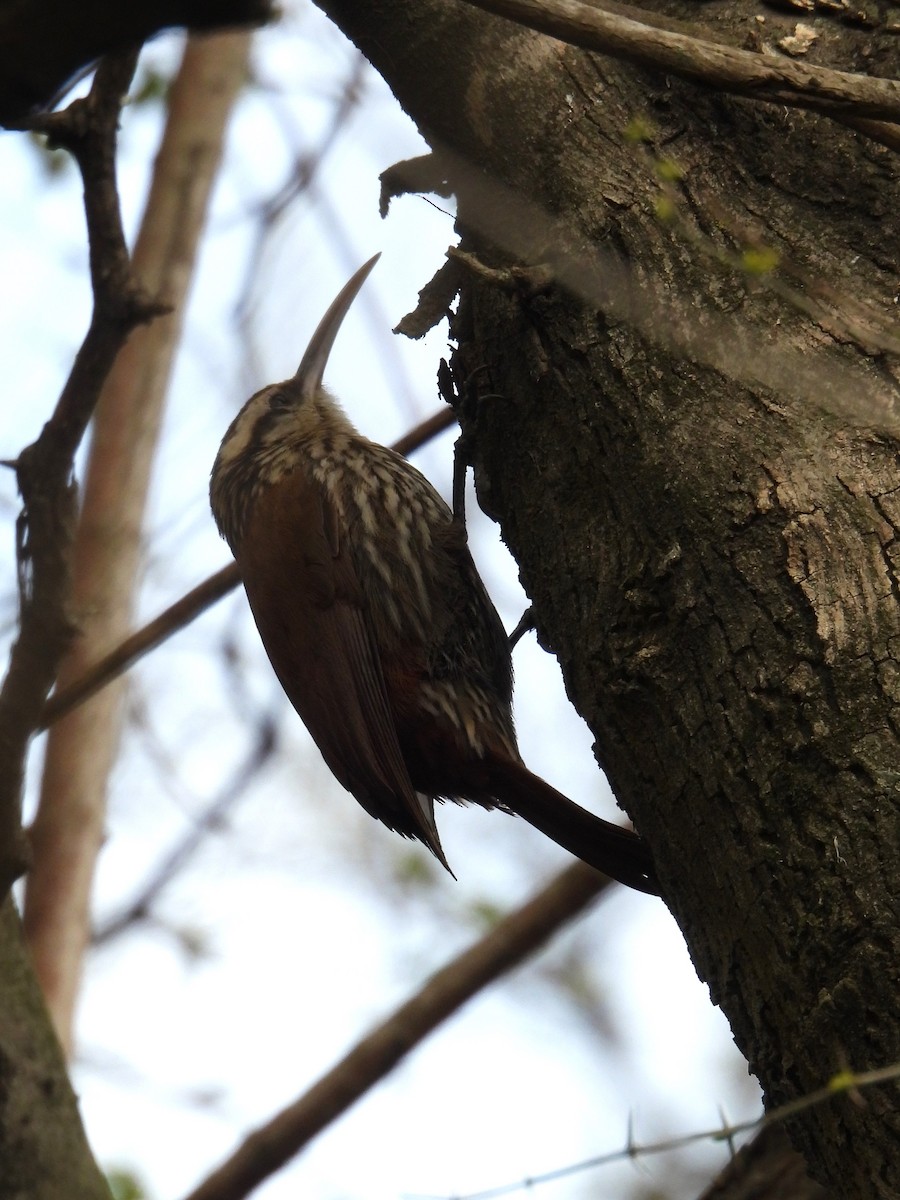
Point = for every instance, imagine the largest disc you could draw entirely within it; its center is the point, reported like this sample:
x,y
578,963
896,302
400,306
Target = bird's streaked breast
x,y
363,481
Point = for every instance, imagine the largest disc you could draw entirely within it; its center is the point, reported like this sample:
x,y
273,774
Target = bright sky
x,y
293,930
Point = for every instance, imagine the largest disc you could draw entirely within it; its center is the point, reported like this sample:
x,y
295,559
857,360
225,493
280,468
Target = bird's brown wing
x,y
311,614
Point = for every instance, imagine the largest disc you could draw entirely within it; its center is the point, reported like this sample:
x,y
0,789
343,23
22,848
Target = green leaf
x,y
125,1185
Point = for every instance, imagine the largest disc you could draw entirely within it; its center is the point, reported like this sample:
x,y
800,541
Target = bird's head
x,y
268,435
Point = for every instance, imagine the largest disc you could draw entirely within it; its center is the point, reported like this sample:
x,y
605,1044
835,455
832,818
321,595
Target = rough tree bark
x,y
45,1154
698,476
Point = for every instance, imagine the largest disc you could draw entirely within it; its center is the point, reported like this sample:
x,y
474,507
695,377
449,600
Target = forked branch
x,y
773,79
44,470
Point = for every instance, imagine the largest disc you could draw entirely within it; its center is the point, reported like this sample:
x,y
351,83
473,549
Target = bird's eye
x,y
280,399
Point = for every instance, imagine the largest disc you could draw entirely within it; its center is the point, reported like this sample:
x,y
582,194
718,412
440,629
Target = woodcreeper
x,y
376,621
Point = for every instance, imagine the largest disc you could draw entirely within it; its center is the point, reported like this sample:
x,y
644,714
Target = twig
x,y
134,647
138,909
772,79
45,528
841,1084
424,431
525,625
268,1148
306,165
183,611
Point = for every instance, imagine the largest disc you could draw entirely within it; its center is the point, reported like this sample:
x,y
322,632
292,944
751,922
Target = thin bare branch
x,y
771,1168
425,431
44,469
145,639
139,908
300,177
773,79
268,1148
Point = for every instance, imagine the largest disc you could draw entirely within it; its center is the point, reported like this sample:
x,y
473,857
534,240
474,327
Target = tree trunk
x,y
694,460
43,1151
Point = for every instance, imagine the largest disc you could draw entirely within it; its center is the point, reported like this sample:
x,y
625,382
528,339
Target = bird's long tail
x,y
615,851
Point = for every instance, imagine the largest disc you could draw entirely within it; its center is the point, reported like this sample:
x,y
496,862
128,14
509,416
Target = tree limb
x,y
773,79
44,469
270,1146
68,828
43,43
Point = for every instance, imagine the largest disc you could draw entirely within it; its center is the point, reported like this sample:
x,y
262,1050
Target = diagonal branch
x,y
268,1148
741,72
139,643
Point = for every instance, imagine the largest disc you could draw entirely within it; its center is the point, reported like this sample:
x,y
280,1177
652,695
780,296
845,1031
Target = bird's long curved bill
x,y
312,365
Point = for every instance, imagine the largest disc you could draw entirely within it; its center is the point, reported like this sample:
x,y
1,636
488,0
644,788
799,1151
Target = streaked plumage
x,y
376,621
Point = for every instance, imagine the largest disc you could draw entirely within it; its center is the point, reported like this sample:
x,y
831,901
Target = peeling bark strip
x,y
842,594
703,518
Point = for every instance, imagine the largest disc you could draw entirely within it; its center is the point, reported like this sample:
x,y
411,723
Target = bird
x,y
376,621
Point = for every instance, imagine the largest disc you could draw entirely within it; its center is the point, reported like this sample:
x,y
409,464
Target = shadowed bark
x,y
44,43
765,1169
42,1146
